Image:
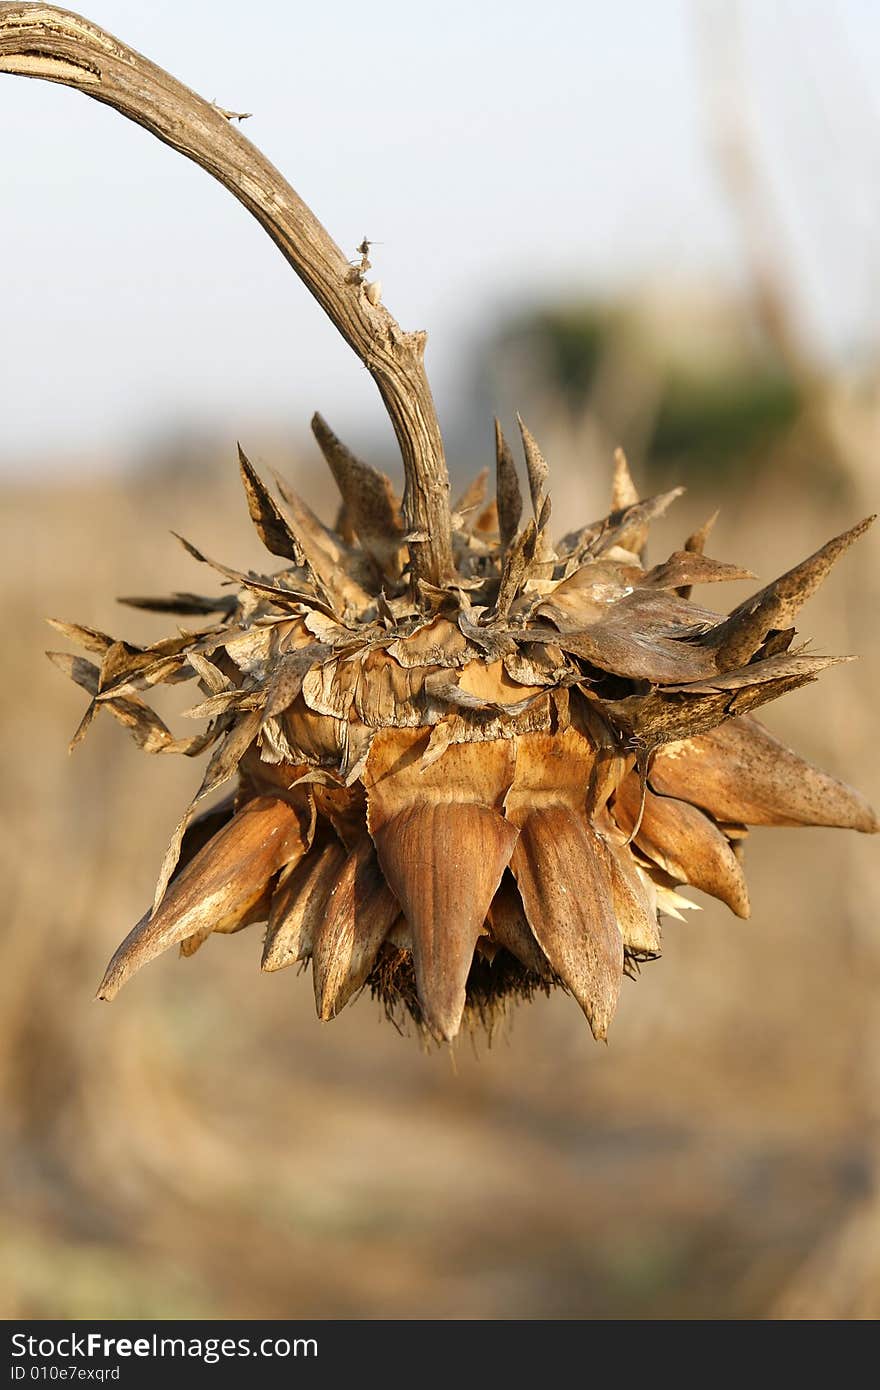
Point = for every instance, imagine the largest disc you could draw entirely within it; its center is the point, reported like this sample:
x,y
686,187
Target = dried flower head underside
x,y
457,794
470,758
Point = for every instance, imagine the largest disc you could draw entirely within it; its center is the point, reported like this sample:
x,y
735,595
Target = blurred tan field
x,y
204,1147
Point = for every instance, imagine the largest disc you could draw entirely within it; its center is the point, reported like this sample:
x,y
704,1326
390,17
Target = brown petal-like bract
x,y
740,772
444,862
684,842
219,885
361,910
567,897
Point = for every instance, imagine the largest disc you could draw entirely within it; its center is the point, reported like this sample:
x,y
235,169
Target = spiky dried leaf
x,y
740,772
507,490
369,498
271,524
737,639
536,466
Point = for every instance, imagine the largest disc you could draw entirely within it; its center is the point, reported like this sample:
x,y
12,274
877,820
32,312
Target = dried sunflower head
x,y
460,794
470,761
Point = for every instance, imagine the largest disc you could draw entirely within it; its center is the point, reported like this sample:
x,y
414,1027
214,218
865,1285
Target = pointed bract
x,y
623,490
684,568
510,929
515,570
184,604
507,490
361,910
567,899
696,541
88,637
372,507
283,596
629,528
300,905
634,897
695,545
226,876
740,772
684,842
624,494
337,568
736,640
444,863
271,524
536,467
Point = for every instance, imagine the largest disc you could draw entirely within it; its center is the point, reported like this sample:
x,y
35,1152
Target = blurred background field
x,y
203,1146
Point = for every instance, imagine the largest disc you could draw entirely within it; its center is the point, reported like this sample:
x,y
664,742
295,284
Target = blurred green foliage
x,y
720,407
711,426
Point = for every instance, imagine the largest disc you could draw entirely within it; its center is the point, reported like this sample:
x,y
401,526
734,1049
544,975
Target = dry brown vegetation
x,y
204,1147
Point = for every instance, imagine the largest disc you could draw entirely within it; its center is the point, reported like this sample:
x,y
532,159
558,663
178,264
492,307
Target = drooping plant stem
x,y
43,41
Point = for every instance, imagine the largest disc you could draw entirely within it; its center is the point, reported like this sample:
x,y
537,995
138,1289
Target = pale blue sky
x,y
498,152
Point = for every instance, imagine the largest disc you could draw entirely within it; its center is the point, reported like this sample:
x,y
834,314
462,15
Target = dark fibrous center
x,y
492,985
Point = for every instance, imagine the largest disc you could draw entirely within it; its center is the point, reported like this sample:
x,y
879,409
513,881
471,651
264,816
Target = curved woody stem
x,y
43,41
